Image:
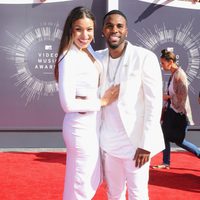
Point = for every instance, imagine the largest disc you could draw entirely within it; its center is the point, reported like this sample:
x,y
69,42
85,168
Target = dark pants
x,y
185,145
174,128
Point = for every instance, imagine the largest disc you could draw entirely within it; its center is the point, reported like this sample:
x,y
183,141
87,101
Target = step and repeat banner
x,y
173,24
30,34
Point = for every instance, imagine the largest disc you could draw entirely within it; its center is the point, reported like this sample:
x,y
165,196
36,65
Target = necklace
x,y
111,74
111,78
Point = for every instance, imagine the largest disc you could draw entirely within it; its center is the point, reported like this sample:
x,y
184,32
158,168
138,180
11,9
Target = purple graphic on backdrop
x,y
34,55
181,41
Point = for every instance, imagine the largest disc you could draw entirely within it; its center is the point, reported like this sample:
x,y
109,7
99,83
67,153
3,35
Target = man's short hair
x,y
114,12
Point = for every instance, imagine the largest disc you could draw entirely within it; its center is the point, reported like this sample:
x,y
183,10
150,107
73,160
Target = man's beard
x,y
116,45
112,46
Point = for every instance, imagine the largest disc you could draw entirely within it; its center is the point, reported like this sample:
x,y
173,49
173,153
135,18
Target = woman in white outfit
x,y
78,74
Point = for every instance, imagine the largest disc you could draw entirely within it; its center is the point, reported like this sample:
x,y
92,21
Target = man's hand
x,y
141,157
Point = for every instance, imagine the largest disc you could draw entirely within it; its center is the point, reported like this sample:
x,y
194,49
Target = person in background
x,y
130,131
177,115
195,1
78,71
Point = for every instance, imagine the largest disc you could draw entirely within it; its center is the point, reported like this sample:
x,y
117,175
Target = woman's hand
x,y
110,95
166,97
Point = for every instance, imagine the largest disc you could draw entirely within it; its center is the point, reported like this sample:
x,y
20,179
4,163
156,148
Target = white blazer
x,y
140,97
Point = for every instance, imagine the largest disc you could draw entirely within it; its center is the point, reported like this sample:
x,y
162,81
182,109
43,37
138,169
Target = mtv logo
x,y
48,47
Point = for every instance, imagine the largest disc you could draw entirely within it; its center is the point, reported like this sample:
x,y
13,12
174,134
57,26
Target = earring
x,y
93,40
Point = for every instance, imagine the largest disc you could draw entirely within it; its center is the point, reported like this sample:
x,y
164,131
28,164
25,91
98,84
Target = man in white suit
x,y
130,131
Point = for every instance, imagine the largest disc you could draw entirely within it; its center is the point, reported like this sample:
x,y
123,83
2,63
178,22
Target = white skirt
x,y
83,157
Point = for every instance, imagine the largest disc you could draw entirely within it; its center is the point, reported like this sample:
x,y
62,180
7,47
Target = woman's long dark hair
x,y
67,39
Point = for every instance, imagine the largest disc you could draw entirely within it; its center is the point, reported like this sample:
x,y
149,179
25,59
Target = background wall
x,y
31,115
30,35
161,24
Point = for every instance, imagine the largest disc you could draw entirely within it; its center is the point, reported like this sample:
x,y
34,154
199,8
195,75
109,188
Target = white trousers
x,y
120,173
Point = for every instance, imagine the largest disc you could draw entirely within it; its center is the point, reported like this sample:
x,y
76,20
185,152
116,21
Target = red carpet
x,y
40,176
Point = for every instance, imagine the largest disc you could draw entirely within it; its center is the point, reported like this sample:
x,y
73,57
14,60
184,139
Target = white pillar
x,y
112,5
